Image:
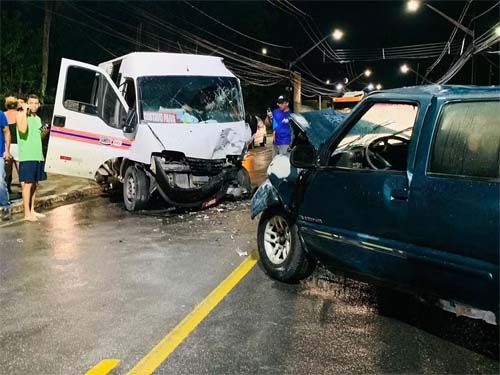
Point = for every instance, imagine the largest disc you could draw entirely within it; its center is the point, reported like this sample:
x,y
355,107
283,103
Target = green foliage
x,y
20,51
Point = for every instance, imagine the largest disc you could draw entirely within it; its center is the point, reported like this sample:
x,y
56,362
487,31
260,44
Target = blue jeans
x,y
4,194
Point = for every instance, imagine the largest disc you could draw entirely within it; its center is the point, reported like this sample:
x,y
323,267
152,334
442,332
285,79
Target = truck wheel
x,y
135,189
280,250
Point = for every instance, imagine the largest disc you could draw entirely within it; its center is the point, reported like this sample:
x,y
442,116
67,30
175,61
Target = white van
x,y
166,122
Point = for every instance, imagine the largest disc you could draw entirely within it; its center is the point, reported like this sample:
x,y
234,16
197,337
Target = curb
x,y
52,200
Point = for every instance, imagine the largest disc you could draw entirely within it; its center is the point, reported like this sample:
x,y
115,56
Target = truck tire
x,y
135,189
280,249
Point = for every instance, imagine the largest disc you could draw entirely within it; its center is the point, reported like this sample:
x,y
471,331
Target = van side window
x,y
467,140
112,109
128,92
80,93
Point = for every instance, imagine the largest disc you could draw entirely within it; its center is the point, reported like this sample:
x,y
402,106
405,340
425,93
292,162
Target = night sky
x,y
96,31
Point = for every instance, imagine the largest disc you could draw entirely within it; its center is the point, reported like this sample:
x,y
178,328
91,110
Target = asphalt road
x,y
92,281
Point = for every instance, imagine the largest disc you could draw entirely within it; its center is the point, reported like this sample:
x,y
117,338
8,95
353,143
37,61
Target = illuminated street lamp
x,y
327,81
339,87
370,86
264,51
405,68
367,73
336,35
497,31
379,86
413,5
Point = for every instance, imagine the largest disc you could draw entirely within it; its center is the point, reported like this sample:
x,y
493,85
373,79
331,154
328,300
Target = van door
x,y
86,126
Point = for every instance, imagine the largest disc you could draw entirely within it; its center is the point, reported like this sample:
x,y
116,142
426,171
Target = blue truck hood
x,y
318,126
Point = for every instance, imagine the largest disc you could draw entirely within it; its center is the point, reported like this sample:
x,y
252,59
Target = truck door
x,y
86,126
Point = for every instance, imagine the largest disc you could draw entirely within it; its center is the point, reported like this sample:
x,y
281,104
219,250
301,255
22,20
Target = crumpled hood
x,y
202,141
319,126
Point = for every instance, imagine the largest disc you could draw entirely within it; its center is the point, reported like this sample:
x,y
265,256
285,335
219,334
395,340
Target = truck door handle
x,y
399,195
59,121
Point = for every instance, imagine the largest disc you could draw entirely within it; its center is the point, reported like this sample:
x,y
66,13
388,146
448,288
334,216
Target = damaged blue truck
x,y
404,192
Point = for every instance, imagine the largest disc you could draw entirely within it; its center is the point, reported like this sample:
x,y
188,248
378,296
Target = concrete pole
x,y
319,102
297,91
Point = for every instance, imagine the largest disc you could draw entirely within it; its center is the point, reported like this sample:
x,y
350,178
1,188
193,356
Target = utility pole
x,y
297,91
49,7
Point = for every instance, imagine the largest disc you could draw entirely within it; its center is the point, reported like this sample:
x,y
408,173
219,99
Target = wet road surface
x,y
92,281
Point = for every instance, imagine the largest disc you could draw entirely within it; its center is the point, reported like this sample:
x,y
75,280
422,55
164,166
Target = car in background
x,y
404,191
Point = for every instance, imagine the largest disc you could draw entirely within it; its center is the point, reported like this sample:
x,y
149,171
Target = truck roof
x,y
442,91
140,64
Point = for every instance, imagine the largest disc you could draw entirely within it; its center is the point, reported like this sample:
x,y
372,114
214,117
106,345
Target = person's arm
x,y
6,133
22,120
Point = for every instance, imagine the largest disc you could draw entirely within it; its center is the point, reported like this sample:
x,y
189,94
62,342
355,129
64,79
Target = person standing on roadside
x,y
31,161
12,105
4,155
282,132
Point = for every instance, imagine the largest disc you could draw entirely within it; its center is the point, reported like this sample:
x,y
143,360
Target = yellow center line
x,y
170,342
103,367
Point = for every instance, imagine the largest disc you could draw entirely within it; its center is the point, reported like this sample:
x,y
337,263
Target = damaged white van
x,y
155,122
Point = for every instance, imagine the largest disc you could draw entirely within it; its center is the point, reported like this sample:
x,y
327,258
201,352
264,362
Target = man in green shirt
x,y
31,161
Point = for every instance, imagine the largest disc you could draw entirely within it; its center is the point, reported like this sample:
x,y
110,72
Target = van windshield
x,y
190,99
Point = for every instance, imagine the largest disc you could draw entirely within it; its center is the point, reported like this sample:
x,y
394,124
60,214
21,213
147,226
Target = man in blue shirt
x,y
282,132
4,155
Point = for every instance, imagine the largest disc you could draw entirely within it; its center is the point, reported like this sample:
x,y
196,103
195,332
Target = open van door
x,y
87,124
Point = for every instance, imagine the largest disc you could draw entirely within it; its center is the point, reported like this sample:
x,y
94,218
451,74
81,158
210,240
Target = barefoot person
x,y
31,161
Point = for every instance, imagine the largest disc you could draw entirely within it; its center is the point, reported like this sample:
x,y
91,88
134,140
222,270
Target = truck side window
x,y
467,140
112,110
80,93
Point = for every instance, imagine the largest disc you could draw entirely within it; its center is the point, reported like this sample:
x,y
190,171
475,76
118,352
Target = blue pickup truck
x,y
403,191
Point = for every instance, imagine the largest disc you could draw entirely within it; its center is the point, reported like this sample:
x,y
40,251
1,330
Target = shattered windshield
x,y
190,99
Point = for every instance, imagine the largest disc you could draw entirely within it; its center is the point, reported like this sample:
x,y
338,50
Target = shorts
x,y
32,171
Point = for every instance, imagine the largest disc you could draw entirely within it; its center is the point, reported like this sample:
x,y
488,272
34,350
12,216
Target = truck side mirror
x,y
303,156
129,121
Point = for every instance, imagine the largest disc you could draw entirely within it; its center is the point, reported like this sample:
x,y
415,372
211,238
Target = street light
x,y
379,86
497,31
336,35
264,51
327,81
405,68
367,73
370,86
339,87
413,5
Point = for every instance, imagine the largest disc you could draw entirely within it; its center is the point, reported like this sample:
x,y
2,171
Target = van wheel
x,y
280,250
135,189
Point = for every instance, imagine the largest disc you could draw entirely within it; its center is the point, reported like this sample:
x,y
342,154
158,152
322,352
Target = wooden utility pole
x,y
49,8
297,91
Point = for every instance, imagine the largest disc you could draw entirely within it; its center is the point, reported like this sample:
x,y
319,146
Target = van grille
x,y
204,167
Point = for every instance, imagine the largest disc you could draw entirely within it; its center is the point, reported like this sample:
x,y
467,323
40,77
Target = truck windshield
x,y
190,99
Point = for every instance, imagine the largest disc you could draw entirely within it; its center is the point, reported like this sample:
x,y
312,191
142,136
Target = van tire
x,y
297,265
135,189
